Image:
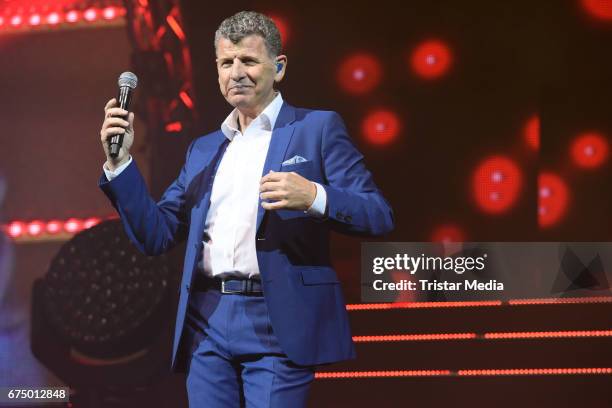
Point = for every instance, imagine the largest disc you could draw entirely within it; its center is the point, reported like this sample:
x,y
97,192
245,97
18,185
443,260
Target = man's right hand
x,y
115,124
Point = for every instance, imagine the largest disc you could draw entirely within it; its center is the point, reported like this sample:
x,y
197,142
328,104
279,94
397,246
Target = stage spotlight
x,y
431,59
109,13
91,222
34,20
16,21
90,14
72,16
553,198
600,9
53,18
16,229
531,133
359,73
381,127
36,228
447,233
589,150
496,184
54,227
102,314
73,225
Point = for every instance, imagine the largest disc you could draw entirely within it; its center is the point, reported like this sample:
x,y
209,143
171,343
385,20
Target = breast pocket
x,y
304,169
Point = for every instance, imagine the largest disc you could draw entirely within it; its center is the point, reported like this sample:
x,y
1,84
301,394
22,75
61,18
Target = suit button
x,y
187,288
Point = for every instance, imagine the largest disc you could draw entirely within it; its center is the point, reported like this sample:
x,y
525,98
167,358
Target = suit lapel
x,y
212,156
281,136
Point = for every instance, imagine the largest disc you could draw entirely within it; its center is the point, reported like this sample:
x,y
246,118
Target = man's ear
x,y
280,64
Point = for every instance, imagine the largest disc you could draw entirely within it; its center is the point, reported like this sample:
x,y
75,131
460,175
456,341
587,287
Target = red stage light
x,y
381,127
16,229
553,199
16,21
359,73
54,227
53,18
90,222
1,21
531,132
496,184
34,20
109,13
36,228
73,225
174,127
600,9
431,59
447,233
72,16
283,28
186,99
90,14
590,150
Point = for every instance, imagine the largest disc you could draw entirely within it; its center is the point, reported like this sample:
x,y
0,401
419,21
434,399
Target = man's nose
x,y
237,72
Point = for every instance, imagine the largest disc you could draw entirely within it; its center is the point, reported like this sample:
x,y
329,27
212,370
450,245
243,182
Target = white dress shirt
x,y
232,216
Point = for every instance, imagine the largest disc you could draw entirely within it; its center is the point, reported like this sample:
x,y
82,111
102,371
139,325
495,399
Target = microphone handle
x,y
124,98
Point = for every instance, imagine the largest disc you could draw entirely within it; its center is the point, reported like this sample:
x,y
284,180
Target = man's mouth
x,y
239,87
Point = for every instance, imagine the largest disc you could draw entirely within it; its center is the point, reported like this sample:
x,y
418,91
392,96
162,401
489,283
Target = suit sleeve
x,y
354,203
153,227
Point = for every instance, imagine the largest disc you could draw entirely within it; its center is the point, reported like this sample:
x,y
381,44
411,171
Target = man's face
x,y
246,73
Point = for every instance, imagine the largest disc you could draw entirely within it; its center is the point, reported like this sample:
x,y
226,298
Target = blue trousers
x,y
236,359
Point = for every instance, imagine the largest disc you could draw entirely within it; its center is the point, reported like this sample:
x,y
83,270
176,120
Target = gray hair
x,y
245,23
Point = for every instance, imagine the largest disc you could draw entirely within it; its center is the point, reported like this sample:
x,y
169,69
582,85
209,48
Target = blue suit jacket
x,y
302,292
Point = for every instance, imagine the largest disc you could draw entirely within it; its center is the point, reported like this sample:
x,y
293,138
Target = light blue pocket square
x,y
294,160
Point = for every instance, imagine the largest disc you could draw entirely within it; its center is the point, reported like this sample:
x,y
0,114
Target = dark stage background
x,y
496,77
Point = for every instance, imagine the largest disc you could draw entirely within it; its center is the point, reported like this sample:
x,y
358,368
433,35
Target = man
x,y
260,305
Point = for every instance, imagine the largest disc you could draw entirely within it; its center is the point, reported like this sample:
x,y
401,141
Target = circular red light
x,y
15,21
53,18
590,150
90,222
16,229
34,20
53,227
73,225
359,73
381,127
532,132
90,14
447,233
553,198
72,16
109,13
496,184
431,59
36,228
600,9
1,21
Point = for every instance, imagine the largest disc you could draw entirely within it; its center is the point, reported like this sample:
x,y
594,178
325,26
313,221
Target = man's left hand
x,y
288,191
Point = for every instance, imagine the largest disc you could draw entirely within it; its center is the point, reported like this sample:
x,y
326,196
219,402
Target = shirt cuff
x,y
112,174
317,209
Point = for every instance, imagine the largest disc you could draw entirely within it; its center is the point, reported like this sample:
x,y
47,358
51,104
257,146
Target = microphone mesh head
x,y
128,79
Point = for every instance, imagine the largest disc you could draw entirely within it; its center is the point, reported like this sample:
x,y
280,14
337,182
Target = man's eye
x,y
226,64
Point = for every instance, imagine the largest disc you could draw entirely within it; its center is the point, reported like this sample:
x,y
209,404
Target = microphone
x,y
127,83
